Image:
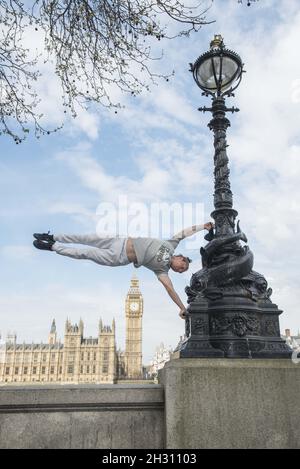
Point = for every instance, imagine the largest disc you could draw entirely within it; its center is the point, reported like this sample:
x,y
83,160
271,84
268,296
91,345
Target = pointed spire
x,y
67,326
53,327
113,325
134,285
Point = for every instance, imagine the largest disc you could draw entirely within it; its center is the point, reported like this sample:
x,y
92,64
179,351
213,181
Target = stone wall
x,y
199,403
90,416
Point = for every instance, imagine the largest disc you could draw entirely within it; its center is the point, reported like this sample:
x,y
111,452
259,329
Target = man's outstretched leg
x,y
102,242
100,256
92,239
111,253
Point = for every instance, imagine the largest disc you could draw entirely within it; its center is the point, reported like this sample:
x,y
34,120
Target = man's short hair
x,y
184,257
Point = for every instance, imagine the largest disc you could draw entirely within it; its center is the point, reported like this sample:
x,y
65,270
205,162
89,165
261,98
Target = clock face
x,y
134,306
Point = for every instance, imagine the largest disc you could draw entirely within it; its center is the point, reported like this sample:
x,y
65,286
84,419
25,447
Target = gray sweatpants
x,y
104,251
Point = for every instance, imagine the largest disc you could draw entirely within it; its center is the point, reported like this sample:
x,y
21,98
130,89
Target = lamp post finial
x,y
217,41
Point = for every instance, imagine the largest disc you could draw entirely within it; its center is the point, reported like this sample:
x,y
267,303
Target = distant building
x,y
161,357
79,360
292,340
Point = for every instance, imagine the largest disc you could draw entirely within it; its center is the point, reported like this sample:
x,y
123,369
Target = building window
x,y
71,357
105,355
81,369
16,370
43,370
44,357
87,369
52,357
52,370
25,370
60,370
7,370
94,369
88,356
70,369
95,356
105,369
34,370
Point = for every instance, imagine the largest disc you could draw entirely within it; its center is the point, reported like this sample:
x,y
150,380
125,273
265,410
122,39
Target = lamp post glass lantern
x,y
230,312
219,70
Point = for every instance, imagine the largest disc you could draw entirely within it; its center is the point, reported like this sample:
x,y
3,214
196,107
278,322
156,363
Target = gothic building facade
x,y
79,360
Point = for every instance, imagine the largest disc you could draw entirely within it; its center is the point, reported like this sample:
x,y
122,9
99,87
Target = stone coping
x,y
231,363
24,387
81,397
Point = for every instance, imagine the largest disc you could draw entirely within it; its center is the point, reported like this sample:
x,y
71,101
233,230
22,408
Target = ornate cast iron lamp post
x,y
230,313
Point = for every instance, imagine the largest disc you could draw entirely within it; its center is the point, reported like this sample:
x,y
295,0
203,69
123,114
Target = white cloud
x,y
49,91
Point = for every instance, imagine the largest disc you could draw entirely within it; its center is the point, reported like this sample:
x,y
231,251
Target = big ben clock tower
x,y
133,346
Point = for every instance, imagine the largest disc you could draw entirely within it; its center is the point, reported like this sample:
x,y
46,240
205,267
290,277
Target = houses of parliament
x,y
79,360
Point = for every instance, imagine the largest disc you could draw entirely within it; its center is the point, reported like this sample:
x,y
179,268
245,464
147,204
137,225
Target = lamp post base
x,y
233,327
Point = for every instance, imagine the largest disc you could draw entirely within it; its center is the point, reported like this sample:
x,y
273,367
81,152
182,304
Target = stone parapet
x,y
87,416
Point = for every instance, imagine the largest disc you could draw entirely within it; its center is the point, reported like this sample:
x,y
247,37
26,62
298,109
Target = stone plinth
x,y
231,403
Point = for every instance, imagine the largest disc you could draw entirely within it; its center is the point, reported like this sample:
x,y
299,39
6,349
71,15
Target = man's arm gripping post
x,y
167,283
192,230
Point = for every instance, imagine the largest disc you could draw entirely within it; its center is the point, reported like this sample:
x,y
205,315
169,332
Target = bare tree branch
x,y
97,46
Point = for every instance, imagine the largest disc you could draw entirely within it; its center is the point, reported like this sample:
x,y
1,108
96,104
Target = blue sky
x,y
158,149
